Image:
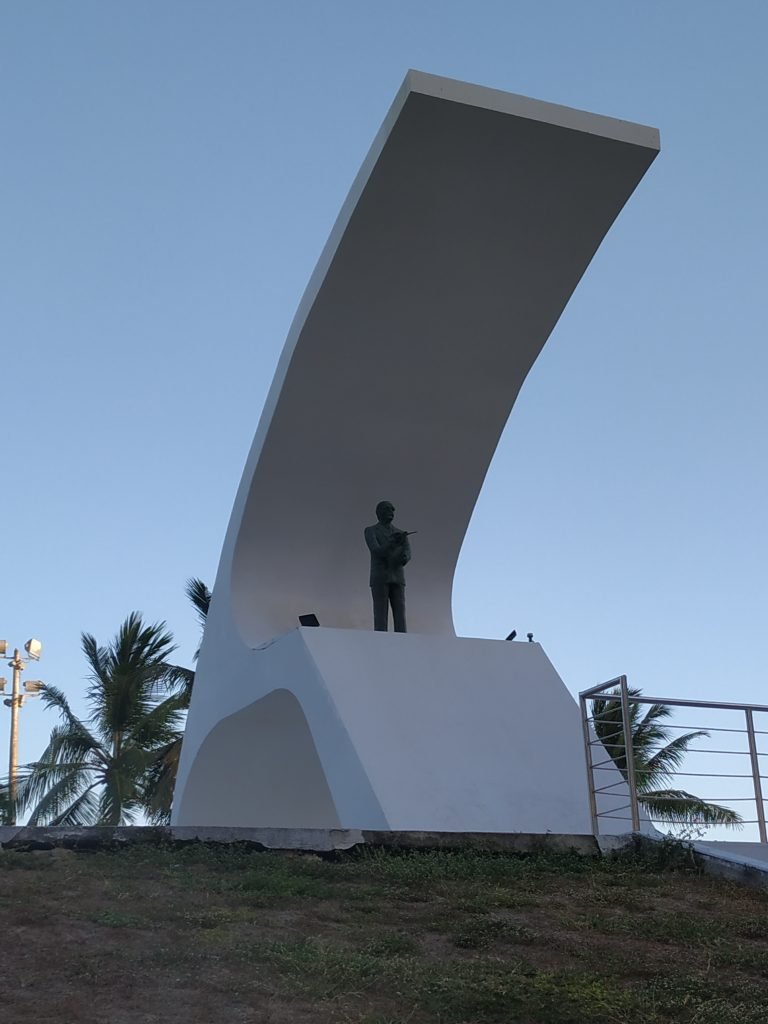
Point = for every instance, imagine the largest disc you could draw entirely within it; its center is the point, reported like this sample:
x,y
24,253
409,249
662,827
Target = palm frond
x,y
676,807
179,679
54,699
64,784
200,596
82,811
160,725
656,757
130,676
160,780
70,747
662,764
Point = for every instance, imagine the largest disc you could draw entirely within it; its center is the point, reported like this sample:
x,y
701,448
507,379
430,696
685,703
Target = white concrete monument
x,y
472,219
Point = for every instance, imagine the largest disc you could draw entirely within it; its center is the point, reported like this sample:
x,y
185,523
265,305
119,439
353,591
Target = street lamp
x,y
32,688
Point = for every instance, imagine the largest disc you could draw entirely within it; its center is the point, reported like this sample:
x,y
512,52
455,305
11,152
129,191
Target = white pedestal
x,y
331,728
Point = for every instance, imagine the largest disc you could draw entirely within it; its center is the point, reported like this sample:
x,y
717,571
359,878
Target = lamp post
x,y
15,702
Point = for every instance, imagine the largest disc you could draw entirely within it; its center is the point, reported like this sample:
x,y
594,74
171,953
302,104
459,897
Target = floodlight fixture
x,y
34,685
34,649
3,648
512,635
309,620
2,685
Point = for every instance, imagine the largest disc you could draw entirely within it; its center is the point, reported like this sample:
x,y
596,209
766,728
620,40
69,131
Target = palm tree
x,y
6,817
161,774
93,771
656,757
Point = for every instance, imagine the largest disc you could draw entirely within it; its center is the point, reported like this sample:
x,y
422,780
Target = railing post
x,y
756,775
629,754
590,769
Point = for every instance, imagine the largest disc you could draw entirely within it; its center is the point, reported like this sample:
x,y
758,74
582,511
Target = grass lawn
x,y
202,934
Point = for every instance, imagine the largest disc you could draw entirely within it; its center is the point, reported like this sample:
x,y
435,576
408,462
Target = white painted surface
x,y
330,728
470,223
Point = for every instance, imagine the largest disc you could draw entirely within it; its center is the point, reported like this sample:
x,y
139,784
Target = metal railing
x,y
602,768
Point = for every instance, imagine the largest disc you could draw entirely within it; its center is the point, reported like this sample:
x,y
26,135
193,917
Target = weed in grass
x,y
10,861
751,958
318,969
697,1000
621,897
420,868
377,1018
208,919
482,899
390,944
491,990
668,854
359,906
479,903
668,928
752,928
119,919
481,932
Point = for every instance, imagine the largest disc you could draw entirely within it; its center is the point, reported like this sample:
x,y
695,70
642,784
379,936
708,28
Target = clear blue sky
x,y
169,174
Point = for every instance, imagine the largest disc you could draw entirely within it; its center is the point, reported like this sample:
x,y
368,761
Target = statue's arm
x,y
374,546
406,553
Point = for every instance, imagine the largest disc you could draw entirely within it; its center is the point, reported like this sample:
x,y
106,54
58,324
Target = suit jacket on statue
x,y
387,557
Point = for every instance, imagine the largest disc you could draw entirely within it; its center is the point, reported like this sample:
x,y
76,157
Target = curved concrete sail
x,y
470,223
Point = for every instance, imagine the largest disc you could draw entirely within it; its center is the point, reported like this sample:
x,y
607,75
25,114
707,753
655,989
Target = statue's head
x,y
385,511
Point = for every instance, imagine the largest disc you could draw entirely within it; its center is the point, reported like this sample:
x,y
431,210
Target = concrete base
x,y
21,838
350,729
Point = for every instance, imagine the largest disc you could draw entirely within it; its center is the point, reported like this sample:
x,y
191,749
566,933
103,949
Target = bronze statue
x,y
390,551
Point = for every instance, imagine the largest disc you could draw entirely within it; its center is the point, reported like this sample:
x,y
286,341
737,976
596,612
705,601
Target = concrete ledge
x,y
729,861
730,864
22,838
733,865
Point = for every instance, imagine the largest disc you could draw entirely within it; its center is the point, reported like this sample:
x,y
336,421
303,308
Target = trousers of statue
x,y
384,595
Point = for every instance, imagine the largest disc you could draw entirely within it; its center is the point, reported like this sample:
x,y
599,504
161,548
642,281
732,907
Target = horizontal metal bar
x,y
679,702
708,824
729,799
697,775
706,750
706,775
687,728
617,817
705,728
705,800
611,785
600,687
604,814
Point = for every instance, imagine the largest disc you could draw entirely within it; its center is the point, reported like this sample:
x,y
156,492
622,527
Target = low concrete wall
x,y
309,840
731,865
